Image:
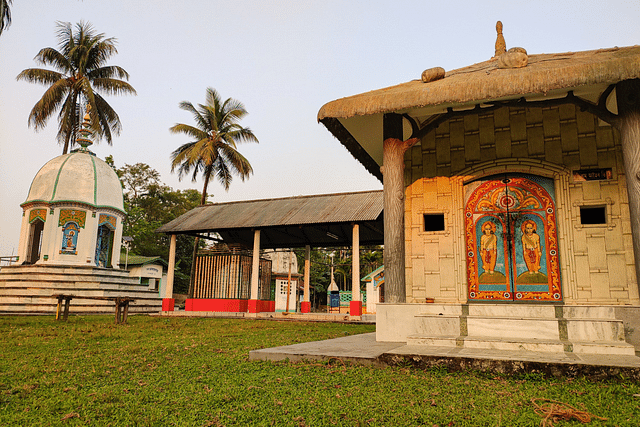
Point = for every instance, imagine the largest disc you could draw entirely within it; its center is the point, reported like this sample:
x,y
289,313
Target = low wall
x,y
226,305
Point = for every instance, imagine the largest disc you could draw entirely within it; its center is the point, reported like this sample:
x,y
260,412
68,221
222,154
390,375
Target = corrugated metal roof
x,y
300,210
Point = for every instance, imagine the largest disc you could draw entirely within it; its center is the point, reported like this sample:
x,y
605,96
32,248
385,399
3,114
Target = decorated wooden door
x,y
511,240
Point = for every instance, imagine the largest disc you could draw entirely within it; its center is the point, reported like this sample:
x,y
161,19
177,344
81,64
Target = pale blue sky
x,y
283,60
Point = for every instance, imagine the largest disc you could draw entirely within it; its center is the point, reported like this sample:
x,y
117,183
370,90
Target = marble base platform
x,y
29,289
531,327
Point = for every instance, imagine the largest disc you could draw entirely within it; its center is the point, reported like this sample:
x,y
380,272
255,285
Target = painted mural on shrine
x,y
511,240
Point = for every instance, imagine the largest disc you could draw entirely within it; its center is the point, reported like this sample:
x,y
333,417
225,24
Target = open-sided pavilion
x,y
330,220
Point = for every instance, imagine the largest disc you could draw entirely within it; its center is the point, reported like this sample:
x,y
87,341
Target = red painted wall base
x,y
305,307
168,304
230,305
355,308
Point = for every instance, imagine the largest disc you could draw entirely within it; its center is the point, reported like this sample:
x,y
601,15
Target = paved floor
x,y
364,349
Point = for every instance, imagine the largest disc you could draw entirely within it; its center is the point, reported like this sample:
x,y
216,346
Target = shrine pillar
x,y
305,305
393,182
628,97
355,308
255,273
168,302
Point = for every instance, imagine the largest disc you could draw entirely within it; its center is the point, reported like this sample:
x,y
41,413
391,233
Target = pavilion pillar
x,y
355,308
628,97
255,274
393,182
168,302
305,305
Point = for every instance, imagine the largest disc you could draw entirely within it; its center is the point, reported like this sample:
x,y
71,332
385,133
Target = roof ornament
x,y
85,132
432,74
501,45
516,57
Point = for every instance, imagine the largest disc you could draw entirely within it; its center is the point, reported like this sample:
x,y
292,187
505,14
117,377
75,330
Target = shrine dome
x,y
78,177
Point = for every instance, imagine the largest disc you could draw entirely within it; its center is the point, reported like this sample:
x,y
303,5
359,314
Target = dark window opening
x,y
433,222
593,215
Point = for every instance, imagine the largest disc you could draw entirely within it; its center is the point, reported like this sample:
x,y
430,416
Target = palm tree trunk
x,y
203,201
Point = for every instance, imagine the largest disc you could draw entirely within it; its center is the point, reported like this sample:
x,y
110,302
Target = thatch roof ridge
x,y
485,81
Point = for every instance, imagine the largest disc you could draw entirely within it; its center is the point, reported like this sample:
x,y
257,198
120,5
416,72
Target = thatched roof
x,y
357,120
478,83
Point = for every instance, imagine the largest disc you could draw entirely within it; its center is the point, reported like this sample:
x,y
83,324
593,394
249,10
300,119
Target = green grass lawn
x,y
195,372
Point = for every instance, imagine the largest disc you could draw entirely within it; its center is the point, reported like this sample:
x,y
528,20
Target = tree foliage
x,y
320,268
81,75
150,204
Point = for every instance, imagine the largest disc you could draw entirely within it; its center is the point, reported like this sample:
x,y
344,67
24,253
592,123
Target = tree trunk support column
x,y
168,302
305,305
255,273
628,96
355,308
393,182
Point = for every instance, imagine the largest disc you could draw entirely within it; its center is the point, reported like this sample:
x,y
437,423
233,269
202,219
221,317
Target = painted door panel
x,y
511,240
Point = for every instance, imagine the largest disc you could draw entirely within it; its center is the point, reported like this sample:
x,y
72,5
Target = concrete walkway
x,y
364,349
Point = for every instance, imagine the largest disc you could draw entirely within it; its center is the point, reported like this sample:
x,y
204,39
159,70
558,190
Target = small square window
x,y
434,222
593,215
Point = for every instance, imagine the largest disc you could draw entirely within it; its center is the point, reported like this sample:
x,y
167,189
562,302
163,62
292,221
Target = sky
x,y
283,59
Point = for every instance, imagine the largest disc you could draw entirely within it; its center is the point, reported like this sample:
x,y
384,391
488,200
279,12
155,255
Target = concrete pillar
x,y
393,182
628,97
168,302
255,273
305,306
355,308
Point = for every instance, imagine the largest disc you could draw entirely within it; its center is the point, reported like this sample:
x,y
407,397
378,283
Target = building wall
x,y
52,237
597,265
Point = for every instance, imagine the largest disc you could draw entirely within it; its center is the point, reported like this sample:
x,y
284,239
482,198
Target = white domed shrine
x,y
70,241
73,214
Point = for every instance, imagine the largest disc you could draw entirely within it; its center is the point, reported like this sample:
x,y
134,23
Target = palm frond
x,y
52,57
39,75
109,72
189,130
113,86
53,97
5,15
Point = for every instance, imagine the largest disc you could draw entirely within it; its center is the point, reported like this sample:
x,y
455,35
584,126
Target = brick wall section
x,y
596,261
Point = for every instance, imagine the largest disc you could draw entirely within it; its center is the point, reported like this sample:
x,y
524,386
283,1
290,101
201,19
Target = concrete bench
x,y
122,306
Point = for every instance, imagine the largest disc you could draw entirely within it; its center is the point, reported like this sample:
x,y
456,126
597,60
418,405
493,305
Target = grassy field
x,y
195,372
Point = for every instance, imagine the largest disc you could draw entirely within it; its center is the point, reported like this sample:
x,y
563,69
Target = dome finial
x,y
85,131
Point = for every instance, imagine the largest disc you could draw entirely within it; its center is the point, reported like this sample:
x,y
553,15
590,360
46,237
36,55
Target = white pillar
x,y
307,272
255,269
168,290
355,268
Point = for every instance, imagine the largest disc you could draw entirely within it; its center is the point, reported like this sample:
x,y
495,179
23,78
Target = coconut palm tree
x,y
81,73
5,14
212,152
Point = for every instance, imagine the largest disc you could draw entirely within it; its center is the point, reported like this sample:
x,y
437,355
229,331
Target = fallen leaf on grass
x,y
71,415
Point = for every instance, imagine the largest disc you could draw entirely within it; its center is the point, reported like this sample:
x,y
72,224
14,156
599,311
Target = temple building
x,y
511,200
70,239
